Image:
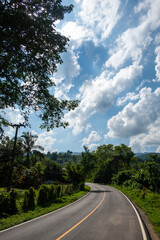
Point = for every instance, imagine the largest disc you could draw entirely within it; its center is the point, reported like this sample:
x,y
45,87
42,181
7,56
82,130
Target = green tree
x,y
124,156
30,51
29,146
88,163
74,175
6,151
53,171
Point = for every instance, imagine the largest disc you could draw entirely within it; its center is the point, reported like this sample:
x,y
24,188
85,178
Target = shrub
x,y
43,196
59,190
13,207
51,193
29,202
8,203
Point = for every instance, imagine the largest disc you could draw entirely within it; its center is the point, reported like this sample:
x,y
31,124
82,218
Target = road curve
x,y
104,213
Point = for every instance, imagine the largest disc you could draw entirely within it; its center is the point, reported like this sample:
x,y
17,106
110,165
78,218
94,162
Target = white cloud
x,y
46,140
98,95
157,61
77,33
92,138
133,41
13,115
92,145
65,74
130,96
9,131
99,18
142,142
138,118
95,21
157,39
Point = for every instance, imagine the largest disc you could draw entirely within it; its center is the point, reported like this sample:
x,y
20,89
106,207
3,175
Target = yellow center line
x,y
82,219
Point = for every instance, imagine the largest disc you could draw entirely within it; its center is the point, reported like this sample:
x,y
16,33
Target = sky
x,y
112,66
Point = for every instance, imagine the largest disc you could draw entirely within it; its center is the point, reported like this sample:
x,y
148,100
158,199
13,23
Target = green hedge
x,y
8,203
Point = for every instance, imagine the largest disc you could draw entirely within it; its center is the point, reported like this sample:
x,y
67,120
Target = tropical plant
x,y
28,141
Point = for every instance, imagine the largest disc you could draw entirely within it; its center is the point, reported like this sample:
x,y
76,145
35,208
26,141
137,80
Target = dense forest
x,y
107,164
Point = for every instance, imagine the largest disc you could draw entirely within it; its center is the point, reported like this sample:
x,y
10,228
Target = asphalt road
x,y
104,213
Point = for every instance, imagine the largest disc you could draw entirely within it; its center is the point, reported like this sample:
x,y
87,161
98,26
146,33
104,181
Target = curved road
x,y
104,213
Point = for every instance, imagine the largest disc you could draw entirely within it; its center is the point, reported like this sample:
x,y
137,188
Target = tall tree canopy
x,y
30,48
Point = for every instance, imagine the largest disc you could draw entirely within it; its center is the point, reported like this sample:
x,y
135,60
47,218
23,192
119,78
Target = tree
x,y
30,51
124,156
6,151
29,146
74,175
88,163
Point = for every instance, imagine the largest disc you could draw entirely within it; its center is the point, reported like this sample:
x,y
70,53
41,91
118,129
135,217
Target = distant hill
x,y
142,156
76,153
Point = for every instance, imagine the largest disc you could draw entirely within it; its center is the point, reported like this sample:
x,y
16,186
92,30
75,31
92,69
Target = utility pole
x,y
13,155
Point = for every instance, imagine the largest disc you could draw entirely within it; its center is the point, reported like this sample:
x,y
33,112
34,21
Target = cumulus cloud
x,y
98,95
136,118
99,17
133,41
13,115
141,142
95,21
46,140
129,97
157,61
92,138
65,74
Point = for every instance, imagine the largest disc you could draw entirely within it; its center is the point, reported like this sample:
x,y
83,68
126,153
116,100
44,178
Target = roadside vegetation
x,y
138,178
45,180
28,62
31,211
150,204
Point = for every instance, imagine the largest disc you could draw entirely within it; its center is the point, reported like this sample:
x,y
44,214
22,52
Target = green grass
x,y
23,217
150,204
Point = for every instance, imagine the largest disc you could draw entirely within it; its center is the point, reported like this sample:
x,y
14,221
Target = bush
x,y
29,202
8,203
59,190
13,207
121,177
51,193
43,196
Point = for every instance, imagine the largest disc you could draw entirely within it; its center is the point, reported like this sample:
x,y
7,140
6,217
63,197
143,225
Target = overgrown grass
x,y
150,204
23,217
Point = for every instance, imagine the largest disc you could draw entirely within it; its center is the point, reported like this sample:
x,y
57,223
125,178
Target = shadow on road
x,y
99,191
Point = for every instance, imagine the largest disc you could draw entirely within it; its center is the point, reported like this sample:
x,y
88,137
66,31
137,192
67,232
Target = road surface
x,y
104,213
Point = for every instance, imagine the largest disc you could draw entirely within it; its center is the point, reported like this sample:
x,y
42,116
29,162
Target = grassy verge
x,y
23,217
150,204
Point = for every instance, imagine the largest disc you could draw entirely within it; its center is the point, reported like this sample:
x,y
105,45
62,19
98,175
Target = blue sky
x,y
113,67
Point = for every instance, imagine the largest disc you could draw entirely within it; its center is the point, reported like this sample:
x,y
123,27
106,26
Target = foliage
x,y
110,160
28,141
53,171
122,177
43,195
149,175
38,211
8,203
30,51
74,175
6,151
32,176
29,202
88,163
150,204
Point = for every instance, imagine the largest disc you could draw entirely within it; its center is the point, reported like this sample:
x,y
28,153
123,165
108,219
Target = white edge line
x,y
52,212
139,219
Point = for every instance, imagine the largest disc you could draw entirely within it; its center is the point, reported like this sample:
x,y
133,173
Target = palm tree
x,y
28,141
